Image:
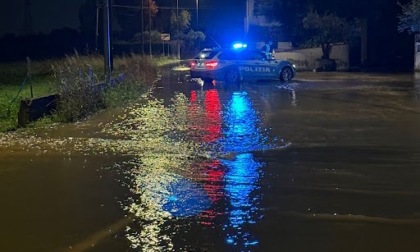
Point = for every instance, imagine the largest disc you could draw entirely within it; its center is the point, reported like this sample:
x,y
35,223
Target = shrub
x,y
81,93
77,83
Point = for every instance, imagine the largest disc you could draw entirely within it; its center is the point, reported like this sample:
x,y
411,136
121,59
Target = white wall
x,y
304,59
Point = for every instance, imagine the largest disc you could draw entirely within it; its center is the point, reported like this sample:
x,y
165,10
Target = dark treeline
x,y
42,46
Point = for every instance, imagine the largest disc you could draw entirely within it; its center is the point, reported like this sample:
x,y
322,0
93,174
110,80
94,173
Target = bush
x,y
77,83
81,93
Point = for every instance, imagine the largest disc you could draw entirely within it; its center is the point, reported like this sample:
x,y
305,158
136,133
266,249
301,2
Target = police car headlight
x,y
294,66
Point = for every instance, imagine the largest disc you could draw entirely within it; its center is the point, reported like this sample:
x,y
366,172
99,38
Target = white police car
x,y
232,65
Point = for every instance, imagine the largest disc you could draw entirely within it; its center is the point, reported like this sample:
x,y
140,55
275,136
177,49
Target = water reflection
x,y
234,179
222,192
205,114
241,187
242,134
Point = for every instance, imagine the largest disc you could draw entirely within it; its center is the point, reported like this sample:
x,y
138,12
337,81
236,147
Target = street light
x,y
107,40
196,11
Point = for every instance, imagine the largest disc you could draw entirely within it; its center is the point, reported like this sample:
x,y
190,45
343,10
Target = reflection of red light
x,y
213,120
193,97
213,185
214,177
209,125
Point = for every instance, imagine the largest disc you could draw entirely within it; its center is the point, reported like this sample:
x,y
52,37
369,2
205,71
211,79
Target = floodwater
x,y
329,162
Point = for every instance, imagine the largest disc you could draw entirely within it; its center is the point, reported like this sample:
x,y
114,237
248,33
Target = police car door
x,y
255,66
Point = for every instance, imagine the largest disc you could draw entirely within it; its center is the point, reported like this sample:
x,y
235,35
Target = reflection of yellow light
x,y
181,68
151,184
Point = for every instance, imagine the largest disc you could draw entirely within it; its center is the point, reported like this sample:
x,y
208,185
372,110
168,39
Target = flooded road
x,y
329,162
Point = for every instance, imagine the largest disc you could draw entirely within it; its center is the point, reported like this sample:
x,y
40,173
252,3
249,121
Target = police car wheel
x,y
232,76
286,74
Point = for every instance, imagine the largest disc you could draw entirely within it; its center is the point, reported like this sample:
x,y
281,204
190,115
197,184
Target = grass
x,y
72,73
11,95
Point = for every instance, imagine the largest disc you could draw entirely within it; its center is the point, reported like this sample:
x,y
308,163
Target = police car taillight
x,y
193,64
211,64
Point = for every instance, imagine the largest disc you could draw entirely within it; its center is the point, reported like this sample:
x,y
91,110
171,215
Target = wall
x,y
304,59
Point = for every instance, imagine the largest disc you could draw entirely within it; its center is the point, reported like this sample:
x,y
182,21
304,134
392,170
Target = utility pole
x,y
107,40
196,12
142,28
97,25
150,29
177,30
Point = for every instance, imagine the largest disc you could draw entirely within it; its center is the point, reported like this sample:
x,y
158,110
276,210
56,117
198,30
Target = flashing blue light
x,y
239,46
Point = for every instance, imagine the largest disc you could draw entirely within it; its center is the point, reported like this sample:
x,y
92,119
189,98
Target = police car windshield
x,y
206,55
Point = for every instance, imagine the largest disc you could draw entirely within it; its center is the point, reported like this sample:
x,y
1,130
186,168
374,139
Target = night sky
x,y
47,15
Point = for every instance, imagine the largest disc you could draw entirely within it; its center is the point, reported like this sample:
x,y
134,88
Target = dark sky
x,y
47,15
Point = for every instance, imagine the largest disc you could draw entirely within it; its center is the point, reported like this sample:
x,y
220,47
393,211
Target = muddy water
x,y
327,163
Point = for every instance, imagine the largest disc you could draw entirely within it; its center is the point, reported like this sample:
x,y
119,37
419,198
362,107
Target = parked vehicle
x,y
232,66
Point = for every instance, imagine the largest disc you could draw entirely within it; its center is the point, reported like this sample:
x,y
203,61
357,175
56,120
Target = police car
x,y
233,65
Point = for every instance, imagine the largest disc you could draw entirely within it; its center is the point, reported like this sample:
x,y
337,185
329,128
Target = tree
x,y
152,10
409,20
326,30
180,29
180,23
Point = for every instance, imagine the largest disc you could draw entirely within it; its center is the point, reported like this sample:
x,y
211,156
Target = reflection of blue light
x,y
172,198
242,132
242,135
241,180
242,177
230,240
186,198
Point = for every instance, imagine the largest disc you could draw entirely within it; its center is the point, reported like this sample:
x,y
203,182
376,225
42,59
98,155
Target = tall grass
x,y
82,93
138,73
74,77
76,83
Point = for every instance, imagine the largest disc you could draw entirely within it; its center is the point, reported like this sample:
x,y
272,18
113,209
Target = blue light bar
x,y
239,45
